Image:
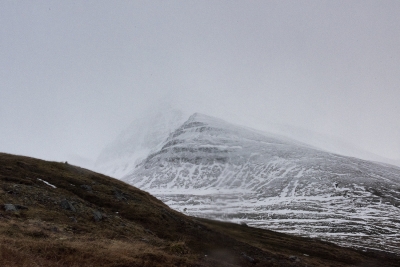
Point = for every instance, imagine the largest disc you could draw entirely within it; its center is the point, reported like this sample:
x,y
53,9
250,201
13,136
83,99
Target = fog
x,y
74,74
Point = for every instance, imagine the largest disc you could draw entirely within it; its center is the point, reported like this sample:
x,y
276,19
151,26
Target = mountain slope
x,y
56,214
214,169
327,143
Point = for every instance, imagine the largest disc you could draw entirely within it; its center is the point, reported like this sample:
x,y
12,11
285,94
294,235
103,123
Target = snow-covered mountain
x,y
142,137
327,143
210,168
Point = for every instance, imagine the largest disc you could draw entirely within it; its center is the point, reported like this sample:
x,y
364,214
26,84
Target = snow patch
x,y
49,184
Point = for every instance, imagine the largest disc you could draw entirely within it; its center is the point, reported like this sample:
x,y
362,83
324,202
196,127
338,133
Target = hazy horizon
x,y
74,74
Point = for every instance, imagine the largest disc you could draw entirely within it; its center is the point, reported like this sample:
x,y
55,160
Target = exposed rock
x,y
66,205
119,195
10,207
293,258
97,216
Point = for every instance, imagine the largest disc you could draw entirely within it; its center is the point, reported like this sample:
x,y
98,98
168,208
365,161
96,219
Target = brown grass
x,y
84,251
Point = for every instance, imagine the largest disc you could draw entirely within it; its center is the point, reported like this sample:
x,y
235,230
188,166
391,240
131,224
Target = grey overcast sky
x,y
73,74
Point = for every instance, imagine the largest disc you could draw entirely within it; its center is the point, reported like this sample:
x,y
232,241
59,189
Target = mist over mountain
x,y
137,141
153,126
210,168
327,143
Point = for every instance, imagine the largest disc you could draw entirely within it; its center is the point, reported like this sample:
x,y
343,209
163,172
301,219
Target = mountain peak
x,y
200,117
143,136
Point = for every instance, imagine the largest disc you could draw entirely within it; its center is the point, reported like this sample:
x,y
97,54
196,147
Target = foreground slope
x,y
210,168
56,214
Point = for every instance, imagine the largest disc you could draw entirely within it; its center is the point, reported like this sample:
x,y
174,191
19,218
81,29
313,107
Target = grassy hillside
x,y
56,214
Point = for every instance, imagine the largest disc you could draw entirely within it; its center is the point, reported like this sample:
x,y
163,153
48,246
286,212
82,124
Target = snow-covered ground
x,y
356,220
